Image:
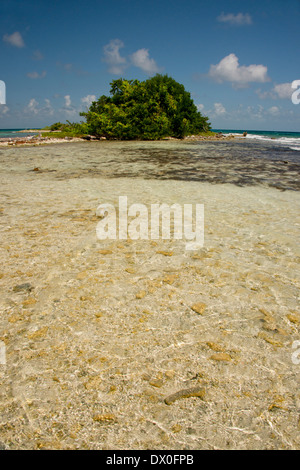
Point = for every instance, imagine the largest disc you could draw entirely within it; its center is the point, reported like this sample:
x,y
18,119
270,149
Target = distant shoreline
x,y
33,137
34,140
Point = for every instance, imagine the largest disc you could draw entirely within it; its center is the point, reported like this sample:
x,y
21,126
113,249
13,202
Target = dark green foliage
x,y
57,126
149,110
76,128
70,129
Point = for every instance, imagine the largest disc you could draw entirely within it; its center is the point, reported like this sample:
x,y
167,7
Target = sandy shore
x,y
100,334
35,140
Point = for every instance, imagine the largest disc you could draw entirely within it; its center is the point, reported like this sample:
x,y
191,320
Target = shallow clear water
x,y
285,139
243,163
110,328
13,133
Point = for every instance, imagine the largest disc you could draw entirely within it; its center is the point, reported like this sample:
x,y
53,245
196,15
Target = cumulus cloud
x,y
14,39
238,20
200,107
253,112
68,108
274,111
48,109
244,114
229,70
88,99
219,109
282,91
116,63
258,113
36,75
32,106
264,94
142,60
68,101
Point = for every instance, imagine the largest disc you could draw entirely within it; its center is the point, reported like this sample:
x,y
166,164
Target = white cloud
x,y
274,111
239,19
112,57
48,108
219,109
88,99
14,39
228,69
263,94
281,91
35,75
142,60
200,107
68,102
32,106
117,64
249,115
255,113
68,108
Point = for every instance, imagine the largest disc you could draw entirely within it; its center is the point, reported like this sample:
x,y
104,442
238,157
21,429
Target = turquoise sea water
x,y
276,134
286,139
290,140
11,133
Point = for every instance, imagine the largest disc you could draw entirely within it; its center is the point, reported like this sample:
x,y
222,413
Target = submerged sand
x,y
101,336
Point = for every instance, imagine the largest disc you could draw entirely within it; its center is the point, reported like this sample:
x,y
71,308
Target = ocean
x,y
13,133
286,139
281,138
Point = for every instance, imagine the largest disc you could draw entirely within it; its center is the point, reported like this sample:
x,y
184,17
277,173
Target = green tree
x,y
149,110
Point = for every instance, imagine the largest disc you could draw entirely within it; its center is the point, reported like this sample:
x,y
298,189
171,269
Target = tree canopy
x,y
148,110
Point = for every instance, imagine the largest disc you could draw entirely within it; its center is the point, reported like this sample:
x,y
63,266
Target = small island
x,y
155,109
150,110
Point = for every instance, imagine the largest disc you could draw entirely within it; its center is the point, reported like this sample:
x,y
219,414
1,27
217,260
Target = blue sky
x,y
237,59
